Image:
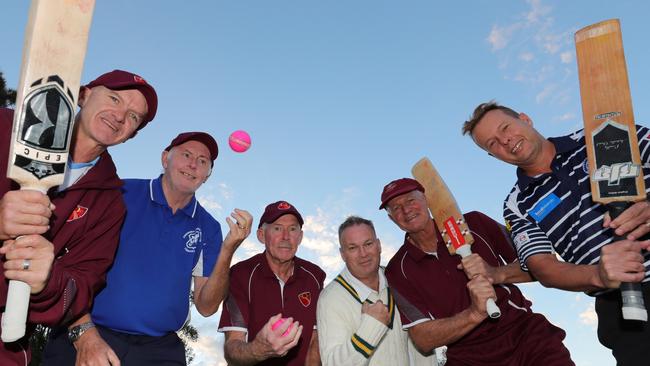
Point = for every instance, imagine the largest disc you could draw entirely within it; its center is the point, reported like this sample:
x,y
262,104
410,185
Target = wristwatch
x,y
75,332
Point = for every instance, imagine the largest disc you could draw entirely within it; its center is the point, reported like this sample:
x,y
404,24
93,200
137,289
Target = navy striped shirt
x,y
553,212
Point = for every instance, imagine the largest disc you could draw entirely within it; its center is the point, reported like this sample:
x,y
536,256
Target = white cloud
x,y
566,57
569,116
526,56
545,93
225,190
589,317
210,203
499,37
537,11
208,350
532,50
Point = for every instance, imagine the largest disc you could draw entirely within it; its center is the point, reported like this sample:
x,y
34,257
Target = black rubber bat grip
x,y
631,292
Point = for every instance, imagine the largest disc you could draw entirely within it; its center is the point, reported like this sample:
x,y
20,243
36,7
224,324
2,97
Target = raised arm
x,y
210,291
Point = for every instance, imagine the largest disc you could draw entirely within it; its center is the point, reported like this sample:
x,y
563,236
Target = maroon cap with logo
x,y
273,212
123,80
399,187
201,137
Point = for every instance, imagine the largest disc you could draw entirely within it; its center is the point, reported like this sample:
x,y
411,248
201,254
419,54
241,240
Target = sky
x,y
341,97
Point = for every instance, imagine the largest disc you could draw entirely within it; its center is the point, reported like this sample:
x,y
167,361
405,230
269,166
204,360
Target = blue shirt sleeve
x,y
210,250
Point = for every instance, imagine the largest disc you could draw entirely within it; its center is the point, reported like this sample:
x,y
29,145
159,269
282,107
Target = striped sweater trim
x,y
363,347
350,289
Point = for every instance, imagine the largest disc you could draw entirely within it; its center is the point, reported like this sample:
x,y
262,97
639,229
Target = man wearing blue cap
x,y
167,240
62,243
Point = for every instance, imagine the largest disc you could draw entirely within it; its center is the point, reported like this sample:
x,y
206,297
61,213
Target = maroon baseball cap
x,y
273,212
399,187
123,80
201,137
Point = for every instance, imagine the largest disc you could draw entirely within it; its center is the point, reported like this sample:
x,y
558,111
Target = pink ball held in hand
x,y
279,323
239,141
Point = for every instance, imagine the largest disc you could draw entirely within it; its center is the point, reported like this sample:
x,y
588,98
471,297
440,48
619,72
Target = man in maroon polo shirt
x,y
270,288
442,299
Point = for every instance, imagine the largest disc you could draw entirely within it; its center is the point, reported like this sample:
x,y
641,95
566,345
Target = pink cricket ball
x,y
239,141
279,323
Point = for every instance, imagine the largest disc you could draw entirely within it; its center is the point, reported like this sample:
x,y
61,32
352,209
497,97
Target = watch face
x,y
73,334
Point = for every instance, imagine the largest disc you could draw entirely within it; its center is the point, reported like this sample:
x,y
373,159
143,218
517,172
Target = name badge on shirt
x,y
544,207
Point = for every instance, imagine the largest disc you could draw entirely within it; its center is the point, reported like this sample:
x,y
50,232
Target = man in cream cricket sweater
x,y
358,322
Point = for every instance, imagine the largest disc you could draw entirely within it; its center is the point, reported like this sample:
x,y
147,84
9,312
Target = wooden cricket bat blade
x,y
447,215
615,168
54,50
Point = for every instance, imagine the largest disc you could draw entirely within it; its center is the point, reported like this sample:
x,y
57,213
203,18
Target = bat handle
x,y
491,306
492,309
631,292
14,318
15,315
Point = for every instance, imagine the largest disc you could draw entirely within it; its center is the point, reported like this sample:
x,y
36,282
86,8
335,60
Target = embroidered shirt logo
x,y
521,239
544,207
305,298
77,213
585,166
193,238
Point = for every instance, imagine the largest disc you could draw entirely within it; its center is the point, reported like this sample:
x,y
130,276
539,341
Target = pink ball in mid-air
x,y
239,141
278,323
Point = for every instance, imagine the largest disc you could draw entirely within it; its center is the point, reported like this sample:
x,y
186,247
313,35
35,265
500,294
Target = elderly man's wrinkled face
x,y
409,211
281,238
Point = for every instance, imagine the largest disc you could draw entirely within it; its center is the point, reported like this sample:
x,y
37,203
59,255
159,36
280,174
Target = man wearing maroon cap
x,y
77,222
442,298
168,239
269,317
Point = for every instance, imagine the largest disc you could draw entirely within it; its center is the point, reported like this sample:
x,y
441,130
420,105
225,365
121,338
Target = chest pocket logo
x,y
544,207
77,213
192,239
305,298
585,166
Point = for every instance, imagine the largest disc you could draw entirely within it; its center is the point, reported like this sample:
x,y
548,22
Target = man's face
x,y
281,238
409,211
187,166
510,139
109,117
361,251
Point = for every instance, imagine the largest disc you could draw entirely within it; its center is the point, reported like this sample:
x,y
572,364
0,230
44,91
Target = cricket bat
x,y
55,47
615,170
447,215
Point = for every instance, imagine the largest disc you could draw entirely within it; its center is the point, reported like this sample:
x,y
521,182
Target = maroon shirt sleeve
x,y
412,307
235,307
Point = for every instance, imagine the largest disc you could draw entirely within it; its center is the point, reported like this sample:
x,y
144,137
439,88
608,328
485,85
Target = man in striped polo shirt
x,y
550,212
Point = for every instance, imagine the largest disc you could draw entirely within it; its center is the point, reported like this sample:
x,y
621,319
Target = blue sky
x,y
340,97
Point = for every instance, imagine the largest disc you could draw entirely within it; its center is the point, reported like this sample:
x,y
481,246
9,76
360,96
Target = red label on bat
x,y
453,231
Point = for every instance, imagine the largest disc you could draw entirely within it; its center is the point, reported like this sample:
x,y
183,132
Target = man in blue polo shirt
x,y
550,212
167,239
